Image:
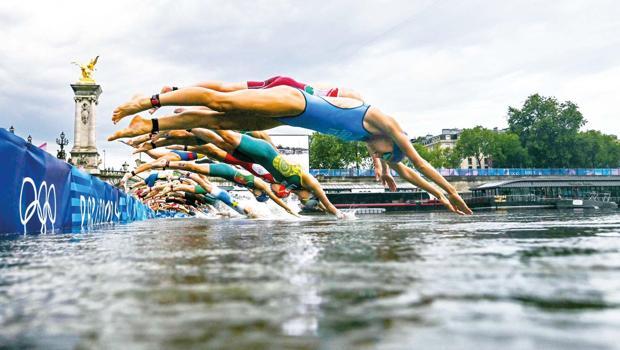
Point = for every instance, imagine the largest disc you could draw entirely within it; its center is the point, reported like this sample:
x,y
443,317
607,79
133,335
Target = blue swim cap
x,y
311,204
151,179
263,197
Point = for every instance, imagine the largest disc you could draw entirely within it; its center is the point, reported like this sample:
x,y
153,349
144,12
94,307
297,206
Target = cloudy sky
x,y
433,64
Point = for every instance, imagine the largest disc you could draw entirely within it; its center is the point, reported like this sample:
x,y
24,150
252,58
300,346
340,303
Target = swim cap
x,y
311,204
263,197
151,179
280,190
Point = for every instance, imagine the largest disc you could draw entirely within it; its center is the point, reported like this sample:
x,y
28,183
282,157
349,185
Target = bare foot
x,y
135,105
137,126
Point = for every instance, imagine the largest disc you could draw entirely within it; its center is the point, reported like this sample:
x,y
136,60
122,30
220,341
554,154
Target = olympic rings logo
x,y
43,208
93,211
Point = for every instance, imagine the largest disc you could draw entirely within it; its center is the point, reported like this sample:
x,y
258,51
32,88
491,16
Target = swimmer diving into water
x,y
261,109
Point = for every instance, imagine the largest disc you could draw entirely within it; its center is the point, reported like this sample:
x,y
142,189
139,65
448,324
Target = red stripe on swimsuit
x,y
248,166
287,81
332,92
276,81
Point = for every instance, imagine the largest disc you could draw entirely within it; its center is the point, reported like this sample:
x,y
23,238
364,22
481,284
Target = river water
x,y
510,280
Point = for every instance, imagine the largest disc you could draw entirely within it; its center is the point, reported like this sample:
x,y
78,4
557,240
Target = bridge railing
x,y
482,172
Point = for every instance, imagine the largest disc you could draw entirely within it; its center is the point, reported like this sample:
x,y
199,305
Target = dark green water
x,y
497,280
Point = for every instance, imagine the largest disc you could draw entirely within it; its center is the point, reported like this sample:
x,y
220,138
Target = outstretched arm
x,y
382,171
376,162
390,127
386,176
263,186
414,178
314,186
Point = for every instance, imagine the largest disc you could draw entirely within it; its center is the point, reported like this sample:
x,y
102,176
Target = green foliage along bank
x,y
543,133
330,152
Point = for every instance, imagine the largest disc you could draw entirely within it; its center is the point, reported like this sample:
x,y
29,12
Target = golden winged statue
x,y
87,71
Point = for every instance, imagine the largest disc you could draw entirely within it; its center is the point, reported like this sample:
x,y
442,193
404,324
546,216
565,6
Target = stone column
x,y
84,152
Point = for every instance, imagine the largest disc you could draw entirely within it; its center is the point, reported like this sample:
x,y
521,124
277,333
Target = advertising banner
x,y
42,194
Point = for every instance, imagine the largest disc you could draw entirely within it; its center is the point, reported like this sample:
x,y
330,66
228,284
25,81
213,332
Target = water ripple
x,y
523,279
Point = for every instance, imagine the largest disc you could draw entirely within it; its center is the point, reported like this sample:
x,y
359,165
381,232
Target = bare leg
x,y
210,150
215,152
167,142
230,137
181,165
156,154
211,137
138,140
279,101
169,156
264,136
196,119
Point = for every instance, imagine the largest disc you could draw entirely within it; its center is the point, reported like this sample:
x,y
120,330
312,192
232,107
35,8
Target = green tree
x,y
594,149
330,152
507,151
477,143
547,129
438,157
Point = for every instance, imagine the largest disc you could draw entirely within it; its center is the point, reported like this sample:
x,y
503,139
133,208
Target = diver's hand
x,y
446,202
377,174
459,204
389,182
250,213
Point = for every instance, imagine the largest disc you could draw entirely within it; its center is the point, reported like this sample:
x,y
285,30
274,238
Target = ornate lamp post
x,y
29,139
62,142
12,130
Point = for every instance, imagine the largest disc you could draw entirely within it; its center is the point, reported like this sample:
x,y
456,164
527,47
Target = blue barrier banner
x,y
480,172
42,194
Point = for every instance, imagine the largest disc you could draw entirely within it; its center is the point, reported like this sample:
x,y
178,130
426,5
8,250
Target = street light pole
x,y
104,160
62,142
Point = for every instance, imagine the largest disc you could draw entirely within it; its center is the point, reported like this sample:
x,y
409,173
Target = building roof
x,y
554,181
